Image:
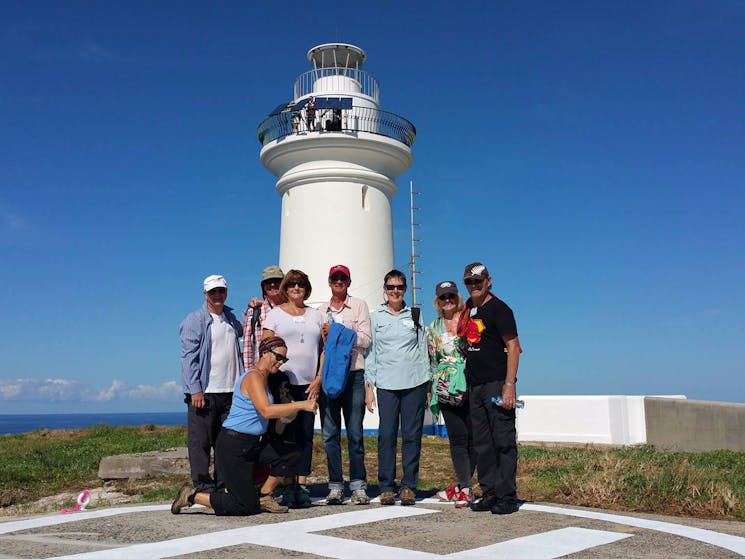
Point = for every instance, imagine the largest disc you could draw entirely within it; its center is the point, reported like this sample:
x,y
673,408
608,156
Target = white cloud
x,y
65,390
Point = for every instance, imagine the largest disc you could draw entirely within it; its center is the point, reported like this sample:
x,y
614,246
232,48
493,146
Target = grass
x,y
643,478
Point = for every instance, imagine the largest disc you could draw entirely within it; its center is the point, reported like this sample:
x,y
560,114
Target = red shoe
x,y
463,499
448,494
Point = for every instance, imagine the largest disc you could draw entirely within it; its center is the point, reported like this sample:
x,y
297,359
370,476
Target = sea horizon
x,y
12,424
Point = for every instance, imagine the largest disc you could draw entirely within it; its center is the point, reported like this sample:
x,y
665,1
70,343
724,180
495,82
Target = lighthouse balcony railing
x,y
337,80
358,119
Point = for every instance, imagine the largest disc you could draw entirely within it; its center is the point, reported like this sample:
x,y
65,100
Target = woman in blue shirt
x,y
240,447
398,368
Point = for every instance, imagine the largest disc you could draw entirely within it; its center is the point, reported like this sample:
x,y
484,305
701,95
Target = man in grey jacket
x,y
210,365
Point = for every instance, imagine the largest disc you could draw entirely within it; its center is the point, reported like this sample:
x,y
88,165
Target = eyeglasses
x,y
473,281
279,357
339,277
216,290
446,296
391,287
297,284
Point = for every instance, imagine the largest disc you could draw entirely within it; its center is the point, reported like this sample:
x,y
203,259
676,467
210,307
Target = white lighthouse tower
x,y
336,154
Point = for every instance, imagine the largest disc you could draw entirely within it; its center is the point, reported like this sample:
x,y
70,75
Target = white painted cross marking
x,y
548,545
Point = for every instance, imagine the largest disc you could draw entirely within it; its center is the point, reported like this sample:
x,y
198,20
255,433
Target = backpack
x,y
416,314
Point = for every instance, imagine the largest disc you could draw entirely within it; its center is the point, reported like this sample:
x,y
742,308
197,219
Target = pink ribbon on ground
x,y
83,499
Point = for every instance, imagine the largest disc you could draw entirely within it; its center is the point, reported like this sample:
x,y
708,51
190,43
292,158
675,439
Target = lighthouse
x,y
336,155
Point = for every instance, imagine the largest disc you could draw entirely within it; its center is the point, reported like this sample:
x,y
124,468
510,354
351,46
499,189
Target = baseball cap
x,y
475,270
272,272
446,287
340,269
210,282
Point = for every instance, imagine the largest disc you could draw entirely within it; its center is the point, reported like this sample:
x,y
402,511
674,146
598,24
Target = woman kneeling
x,y
240,447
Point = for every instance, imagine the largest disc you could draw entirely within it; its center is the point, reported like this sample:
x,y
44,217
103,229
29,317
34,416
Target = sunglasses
x,y
297,284
473,281
271,284
217,290
446,296
279,357
339,277
391,287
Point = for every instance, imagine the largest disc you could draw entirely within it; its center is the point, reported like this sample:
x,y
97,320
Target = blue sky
x,y
591,154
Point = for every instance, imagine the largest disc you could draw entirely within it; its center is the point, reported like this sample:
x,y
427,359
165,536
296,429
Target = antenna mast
x,y
414,255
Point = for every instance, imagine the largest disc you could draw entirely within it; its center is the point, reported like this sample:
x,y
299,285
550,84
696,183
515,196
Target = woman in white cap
x,y
449,394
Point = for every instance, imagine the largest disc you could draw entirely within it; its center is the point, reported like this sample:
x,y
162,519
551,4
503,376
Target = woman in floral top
x,y
449,390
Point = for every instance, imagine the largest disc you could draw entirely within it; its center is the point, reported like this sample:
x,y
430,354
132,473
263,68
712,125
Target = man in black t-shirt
x,y
492,351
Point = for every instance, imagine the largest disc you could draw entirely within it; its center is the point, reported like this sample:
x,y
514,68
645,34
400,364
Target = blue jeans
x,y
407,408
352,404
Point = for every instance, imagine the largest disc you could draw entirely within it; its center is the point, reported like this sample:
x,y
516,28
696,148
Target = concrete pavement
x,y
427,530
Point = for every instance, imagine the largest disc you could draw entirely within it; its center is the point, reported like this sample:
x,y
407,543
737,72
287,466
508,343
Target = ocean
x,y
11,424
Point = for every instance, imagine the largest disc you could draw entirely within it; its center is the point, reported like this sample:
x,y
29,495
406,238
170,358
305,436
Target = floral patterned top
x,y
448,367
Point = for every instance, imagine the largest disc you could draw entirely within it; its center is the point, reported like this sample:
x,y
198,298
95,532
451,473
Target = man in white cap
x,y
210,365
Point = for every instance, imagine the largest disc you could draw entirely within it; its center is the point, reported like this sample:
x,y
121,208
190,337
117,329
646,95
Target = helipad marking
x,y
727,541
548,545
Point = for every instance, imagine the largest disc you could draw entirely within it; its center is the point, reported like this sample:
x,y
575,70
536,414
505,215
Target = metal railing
x,y
339,82
358,119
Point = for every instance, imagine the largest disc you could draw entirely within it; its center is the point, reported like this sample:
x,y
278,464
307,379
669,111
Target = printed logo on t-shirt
x,y
473,332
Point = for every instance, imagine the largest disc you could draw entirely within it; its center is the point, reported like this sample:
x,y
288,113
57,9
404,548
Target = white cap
x,y
210,282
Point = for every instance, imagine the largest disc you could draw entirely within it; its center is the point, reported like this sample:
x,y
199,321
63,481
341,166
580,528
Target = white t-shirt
x,y
302,334
224,365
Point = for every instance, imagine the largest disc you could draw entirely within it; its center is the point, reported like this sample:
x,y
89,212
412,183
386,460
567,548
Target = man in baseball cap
x,y
210,365
492,356
352,313
256,312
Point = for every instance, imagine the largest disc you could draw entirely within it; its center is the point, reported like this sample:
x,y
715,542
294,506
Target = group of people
x,y
256,407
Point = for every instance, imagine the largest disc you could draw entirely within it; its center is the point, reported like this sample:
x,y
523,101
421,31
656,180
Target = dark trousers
x,y
404,407
352,404
302,430
460,437
236,459
495,441
203,426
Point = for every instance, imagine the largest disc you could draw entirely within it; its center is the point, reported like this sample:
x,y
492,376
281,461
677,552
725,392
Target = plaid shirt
x,y
251,340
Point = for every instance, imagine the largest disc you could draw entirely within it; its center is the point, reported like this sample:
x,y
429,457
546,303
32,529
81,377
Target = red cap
x,y
340,269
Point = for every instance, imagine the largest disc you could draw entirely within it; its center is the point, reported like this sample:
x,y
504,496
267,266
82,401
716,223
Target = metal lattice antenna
x,y
414,255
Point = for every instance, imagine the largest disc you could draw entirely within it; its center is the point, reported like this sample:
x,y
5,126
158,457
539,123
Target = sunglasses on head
x,y
279,357
297,284
391,287
473,281
339,277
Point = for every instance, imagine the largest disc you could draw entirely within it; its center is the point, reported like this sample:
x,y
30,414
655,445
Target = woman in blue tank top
x,y
241,446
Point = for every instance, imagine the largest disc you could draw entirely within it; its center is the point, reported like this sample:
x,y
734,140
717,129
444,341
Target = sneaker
x,y
407,496
463,498
387,498
448,494
182,498
288,496
268,504
302,497
505,507
359,497
335,497
485,503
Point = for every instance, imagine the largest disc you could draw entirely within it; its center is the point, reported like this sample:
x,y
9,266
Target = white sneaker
x,y
335,497
359,497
